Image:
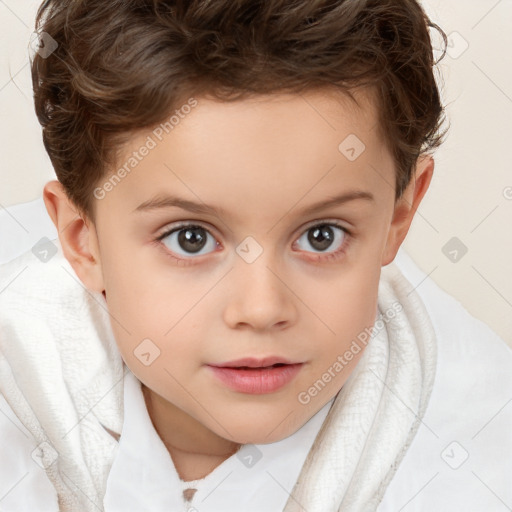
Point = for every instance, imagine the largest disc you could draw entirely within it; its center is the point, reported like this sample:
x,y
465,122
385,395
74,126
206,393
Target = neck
x,y
181,433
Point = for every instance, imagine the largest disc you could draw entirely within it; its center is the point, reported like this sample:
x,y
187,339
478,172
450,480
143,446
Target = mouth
x,y
256,380
257,363
277,365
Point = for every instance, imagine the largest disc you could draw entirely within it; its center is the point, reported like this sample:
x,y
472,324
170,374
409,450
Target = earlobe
x,y
406,207
77,236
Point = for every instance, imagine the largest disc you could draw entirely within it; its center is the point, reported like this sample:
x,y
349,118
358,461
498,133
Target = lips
x,y
254,362
256,380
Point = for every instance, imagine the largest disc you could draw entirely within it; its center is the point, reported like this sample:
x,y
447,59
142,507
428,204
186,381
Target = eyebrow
x,y
160,202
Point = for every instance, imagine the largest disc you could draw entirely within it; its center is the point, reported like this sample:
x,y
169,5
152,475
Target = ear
x,y
77,236
406,207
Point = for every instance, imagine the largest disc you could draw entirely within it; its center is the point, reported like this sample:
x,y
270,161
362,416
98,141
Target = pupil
x,y
191,239
321,237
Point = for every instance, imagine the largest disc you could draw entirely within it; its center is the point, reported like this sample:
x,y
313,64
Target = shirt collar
x,y
257,477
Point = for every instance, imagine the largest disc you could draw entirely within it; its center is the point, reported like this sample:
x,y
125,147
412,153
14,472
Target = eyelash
x,y
321,257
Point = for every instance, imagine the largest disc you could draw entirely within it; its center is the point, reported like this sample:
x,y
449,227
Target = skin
x,y
262,160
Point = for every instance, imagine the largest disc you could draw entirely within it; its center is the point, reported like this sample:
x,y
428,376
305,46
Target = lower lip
x,y
257,381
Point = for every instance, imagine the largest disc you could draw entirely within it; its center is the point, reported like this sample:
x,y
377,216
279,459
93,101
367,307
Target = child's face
x,y
257,285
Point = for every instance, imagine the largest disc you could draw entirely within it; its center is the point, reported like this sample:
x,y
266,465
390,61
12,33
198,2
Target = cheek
x,y
133,309
348,305
150,306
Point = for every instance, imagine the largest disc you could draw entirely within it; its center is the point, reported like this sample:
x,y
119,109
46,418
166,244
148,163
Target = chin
x,y
260,434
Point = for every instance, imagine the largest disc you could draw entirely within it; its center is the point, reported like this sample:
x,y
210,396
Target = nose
x,y
259,298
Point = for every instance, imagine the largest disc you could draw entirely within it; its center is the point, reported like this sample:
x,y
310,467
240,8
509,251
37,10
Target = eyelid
x,y
329,221
180,224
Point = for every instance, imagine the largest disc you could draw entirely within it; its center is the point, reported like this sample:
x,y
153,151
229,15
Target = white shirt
x,y
256,478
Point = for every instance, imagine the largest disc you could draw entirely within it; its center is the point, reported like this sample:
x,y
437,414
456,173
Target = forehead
x,y
275,119
280,147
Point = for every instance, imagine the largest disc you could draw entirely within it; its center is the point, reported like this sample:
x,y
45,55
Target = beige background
x,y
470,199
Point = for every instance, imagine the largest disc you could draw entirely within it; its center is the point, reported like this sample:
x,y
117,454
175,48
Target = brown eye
x,y
188,240
192,239
321,237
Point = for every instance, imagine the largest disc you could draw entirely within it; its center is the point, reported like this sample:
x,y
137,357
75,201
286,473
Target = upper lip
x,y
254,362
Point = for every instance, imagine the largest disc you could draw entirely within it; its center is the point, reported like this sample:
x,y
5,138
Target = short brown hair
x,y
122,66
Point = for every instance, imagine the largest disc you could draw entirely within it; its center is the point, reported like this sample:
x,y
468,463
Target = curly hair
x,y
121,66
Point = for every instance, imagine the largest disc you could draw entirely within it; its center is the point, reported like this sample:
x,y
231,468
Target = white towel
x,y
62,375
377,412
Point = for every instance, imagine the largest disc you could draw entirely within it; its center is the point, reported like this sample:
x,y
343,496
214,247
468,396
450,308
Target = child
x,y
285,363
